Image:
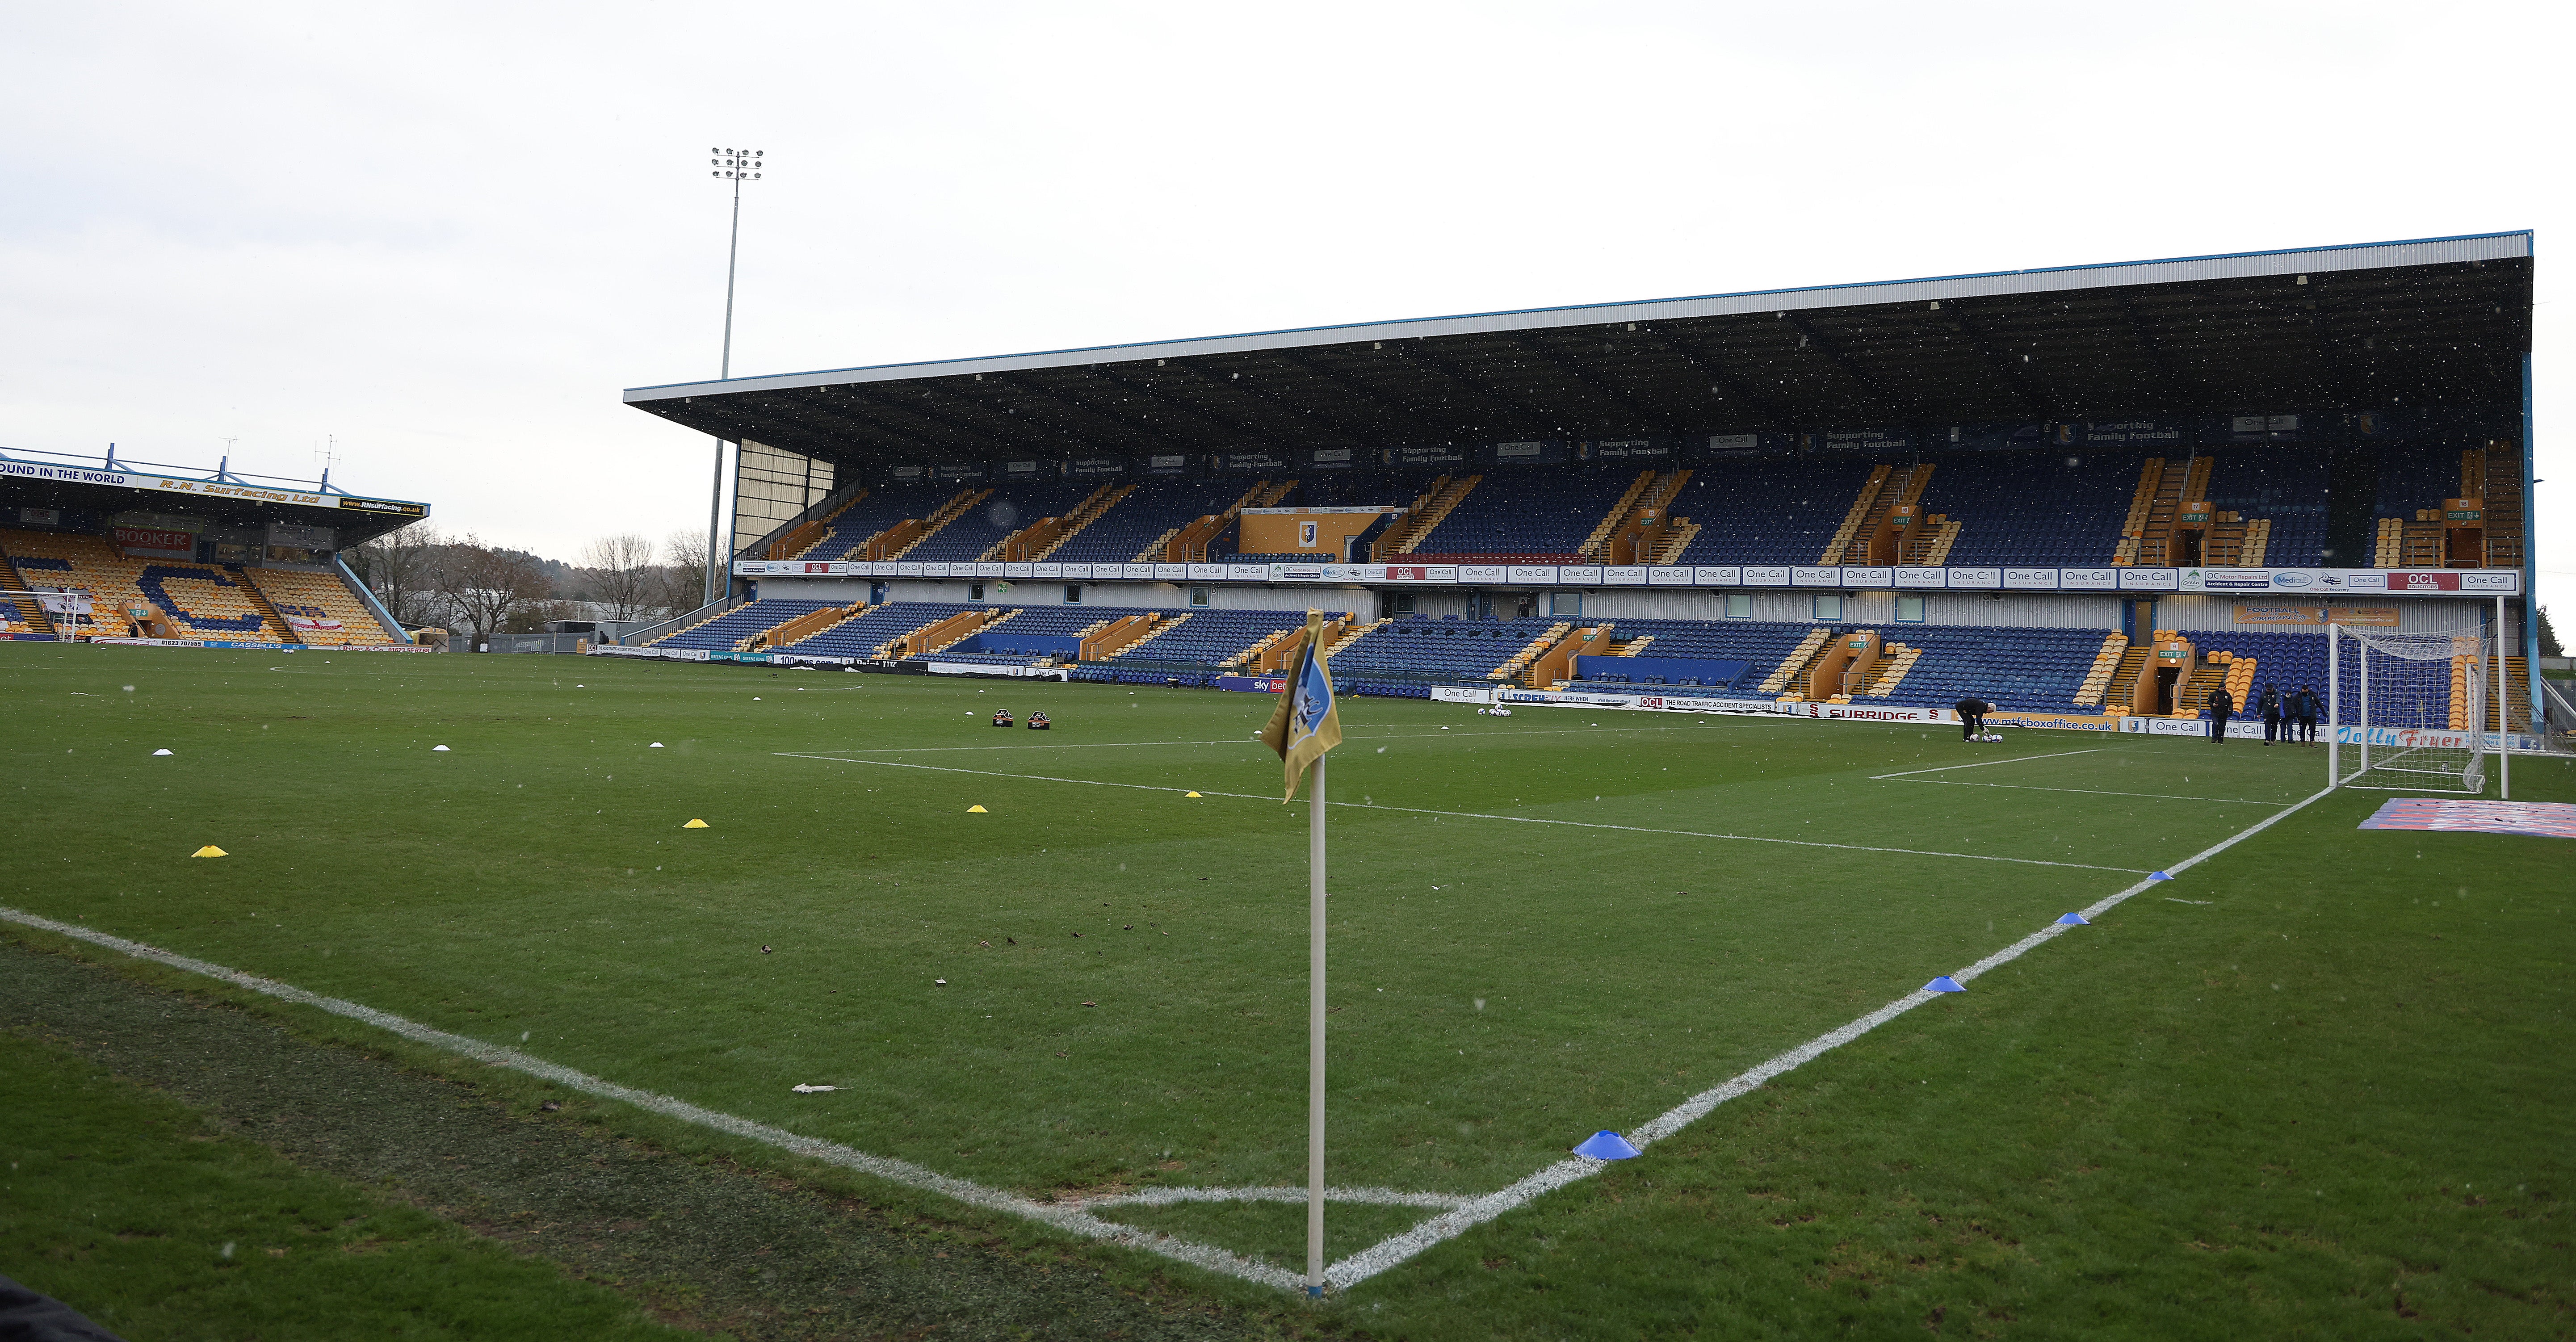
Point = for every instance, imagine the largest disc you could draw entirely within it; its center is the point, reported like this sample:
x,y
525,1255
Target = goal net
x,y
2408,712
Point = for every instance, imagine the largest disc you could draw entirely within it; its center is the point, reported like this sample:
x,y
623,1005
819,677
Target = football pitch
x,y
2313,1082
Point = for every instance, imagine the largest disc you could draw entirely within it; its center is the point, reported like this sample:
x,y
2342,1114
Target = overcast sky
x,y
447,236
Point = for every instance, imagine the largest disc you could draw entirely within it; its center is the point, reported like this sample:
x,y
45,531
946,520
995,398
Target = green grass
x,y
1501,989
127,1204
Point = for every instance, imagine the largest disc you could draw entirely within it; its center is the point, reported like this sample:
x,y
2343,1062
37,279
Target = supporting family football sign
x,y
1302,728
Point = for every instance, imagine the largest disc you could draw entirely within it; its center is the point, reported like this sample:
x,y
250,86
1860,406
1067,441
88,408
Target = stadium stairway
x,y
1127,634
2163,487
1760,511
870,515
2106,667
1148,514
971,532
1646,530
1799,659
1029,542
1427,512
2120,695
2020,669
2500,485
2192,699
2430,537
62,559
1528,516
798,628
1891,673
805,535
866,636
2030,508
1596,547
1862,501
26,614
901,539
942,633
286,633
2512,706
726,630
1193,535
335,616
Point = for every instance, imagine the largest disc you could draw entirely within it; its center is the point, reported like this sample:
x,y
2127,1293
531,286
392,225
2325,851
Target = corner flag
x,y
1306,723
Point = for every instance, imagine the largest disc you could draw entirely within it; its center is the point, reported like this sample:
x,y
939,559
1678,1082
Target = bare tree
x,y
401,568
488,589
684,572
621,576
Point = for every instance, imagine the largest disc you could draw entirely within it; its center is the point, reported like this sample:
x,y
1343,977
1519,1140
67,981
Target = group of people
x,y
1037,721
2288,717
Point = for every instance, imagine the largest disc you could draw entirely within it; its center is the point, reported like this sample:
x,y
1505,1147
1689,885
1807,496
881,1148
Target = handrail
x,y
634,637
393,627
221,474
832,500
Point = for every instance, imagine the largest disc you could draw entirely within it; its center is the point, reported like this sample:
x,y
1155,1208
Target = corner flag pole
x,y
1315,1036
1304,726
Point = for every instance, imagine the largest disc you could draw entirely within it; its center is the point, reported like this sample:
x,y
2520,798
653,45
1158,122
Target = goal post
x,y
2408,712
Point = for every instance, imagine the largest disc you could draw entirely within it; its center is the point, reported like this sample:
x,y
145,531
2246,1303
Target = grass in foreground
x,y
127,1205
1501,988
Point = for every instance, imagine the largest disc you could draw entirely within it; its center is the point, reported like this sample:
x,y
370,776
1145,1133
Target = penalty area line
x,y
1481,815
1397,1249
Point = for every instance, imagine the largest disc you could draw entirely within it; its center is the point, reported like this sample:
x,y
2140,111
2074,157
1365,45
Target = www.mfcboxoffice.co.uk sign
x,y
2326,583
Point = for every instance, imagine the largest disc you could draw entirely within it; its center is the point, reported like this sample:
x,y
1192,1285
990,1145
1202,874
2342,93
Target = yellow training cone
x,y
210,851
1191,794
977,810
695,824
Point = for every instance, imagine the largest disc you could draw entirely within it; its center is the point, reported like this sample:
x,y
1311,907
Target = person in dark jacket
x,y
2270,707
2222,706
1972,717
2304,707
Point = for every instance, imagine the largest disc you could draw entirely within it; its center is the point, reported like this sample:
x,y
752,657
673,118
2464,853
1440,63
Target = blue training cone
x,y
2076,920
2154,876
1606,1145
1944,984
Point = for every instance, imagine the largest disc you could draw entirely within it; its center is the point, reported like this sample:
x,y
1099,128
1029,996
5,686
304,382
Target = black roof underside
x,y
2446,334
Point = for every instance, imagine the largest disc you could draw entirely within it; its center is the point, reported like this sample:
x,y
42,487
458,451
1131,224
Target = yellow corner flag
x,y
1306,723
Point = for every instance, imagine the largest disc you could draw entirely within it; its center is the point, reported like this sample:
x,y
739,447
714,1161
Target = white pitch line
x,y
1068,1217
1988,764
1480,815
1254,741
1173,1196
2097,792
1396,1249
1359,1267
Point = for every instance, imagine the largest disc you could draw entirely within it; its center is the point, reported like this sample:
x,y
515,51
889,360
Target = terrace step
x,y
2106,665
31,612
276,621
810,533
1798,660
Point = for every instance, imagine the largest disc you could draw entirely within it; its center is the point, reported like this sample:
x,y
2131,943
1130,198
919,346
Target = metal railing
x,y
223,472
637,637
